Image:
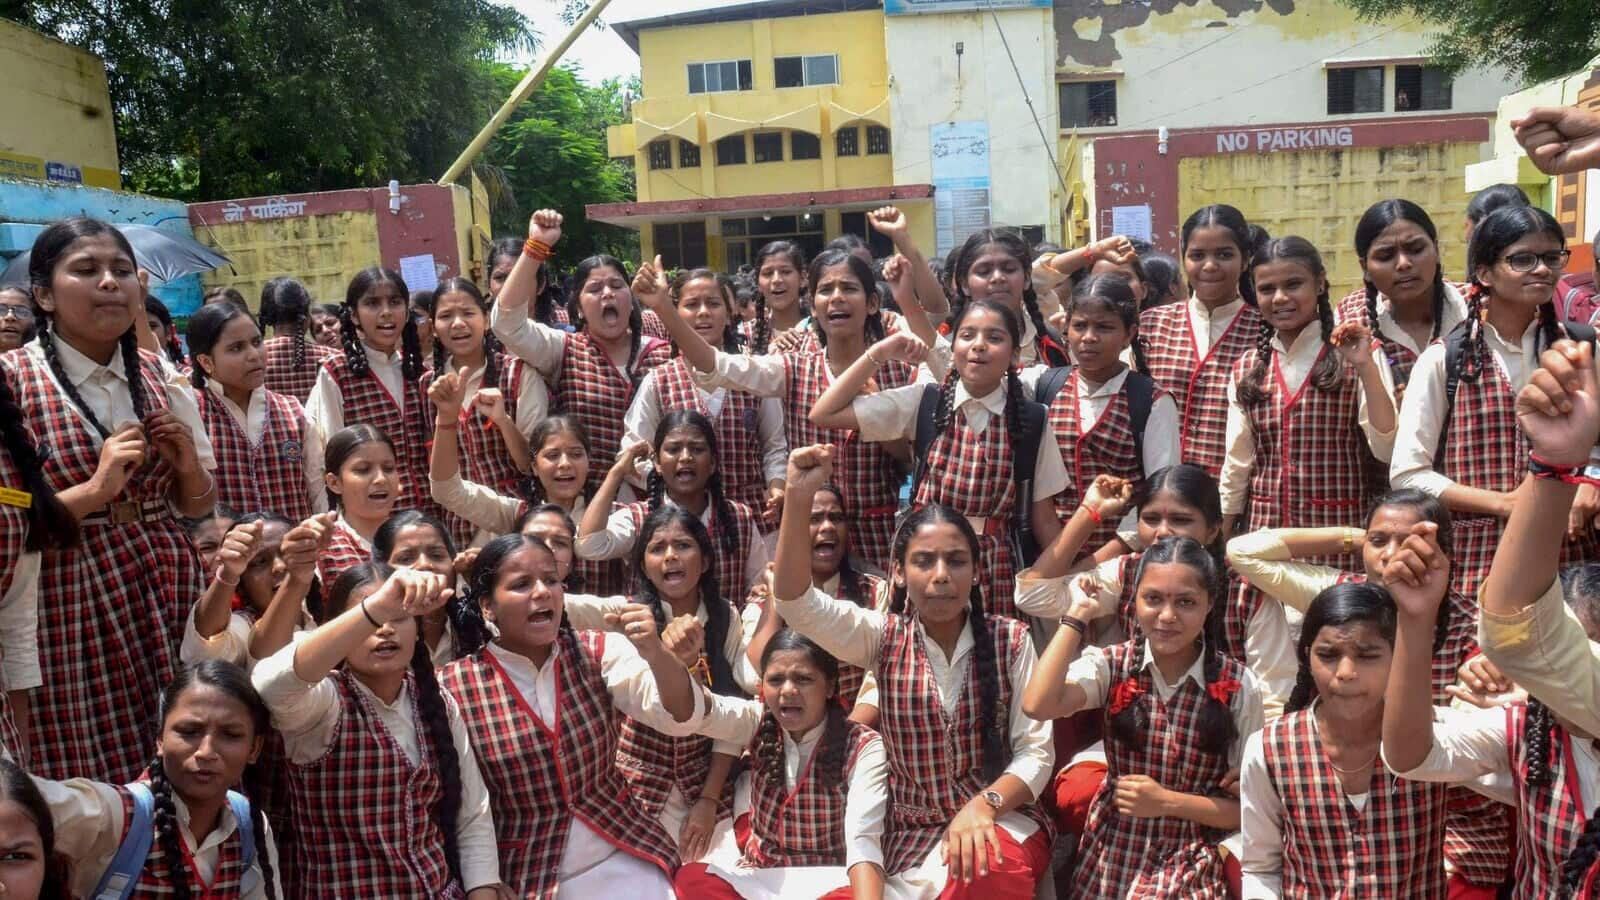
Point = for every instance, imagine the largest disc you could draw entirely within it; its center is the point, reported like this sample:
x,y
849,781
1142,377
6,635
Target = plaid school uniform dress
x,y
343,552
482,451
111,611
590,389
935,758
265,477
14,528
802,826
227,879
739,450
540,774
1198,384
364,813
1353,308
971,473
868,589
1107,448
406,420
1124,856
866,473
284,377
1550,818
1391,848
729,566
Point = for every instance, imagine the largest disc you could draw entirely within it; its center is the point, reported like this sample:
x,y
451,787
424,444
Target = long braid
x,y
1252,389
1537,732
769,750
944,411
411,350
1030,305
269,878
438,357
167,835
1575,869
50,524
132,370
1215,721
355,357
1549,325
1439,291
763,327
1372,312
1129,725
1305,689
1141,358
52,356
1477,354
436,721
1328,374
655,489
986,669
492,361
831,752
729,535
635,334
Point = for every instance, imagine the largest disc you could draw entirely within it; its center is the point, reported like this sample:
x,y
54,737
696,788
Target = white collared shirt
x,y
646,412
533,397
587,612
1161,445
253,422
325,408
1209,325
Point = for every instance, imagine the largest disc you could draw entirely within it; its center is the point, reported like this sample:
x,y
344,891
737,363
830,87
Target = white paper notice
x,y
419,273
1130,221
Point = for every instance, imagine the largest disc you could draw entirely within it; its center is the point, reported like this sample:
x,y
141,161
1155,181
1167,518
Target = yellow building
x,y
760,121
59,112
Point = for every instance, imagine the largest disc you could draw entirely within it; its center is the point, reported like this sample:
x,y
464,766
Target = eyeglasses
x,y
1527,262
21,312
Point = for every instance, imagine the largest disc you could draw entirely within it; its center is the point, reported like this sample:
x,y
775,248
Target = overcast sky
x,y
600,52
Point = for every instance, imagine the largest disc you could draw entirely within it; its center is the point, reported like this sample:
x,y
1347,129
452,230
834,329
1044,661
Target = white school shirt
x,y
587,612
253,422
855,635
89,822
1207,326
536,343
632,688
1161,443
1091,672
307,715
735,720
231,644
325,408
1423,408
104,390
19,627
1453,312
492,512
645,413
533,397
616,542
1296,364
1470,748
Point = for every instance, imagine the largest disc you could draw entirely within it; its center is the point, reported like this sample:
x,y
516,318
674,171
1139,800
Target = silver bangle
x,y
211,484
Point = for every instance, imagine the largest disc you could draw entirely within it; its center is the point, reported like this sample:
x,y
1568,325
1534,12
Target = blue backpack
x,y
123,874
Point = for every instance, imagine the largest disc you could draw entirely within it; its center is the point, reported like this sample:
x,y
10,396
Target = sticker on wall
x,y
419,273
960,153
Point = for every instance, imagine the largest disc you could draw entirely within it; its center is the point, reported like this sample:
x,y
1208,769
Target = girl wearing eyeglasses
x,y
16,318
1458,438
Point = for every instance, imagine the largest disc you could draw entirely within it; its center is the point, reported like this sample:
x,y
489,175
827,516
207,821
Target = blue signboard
x,y
908,7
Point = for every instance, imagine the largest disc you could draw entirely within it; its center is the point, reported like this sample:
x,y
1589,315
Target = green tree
x,y
1535,41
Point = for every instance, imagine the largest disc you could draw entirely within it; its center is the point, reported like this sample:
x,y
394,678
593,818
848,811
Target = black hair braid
x,y
729,535
1372,311
986,669
943,412
197,376
1477,354
438,357
1441,626
298,340
466,618
168,835
762,332
492,351
1030,305
1215,721
269,878
436,721
1549,326
1536,734
49,522
635,336
769,750
1328,374
1141,359
52,356
831,752
1014,424
1438,302
1305,690
717,624
411,350
1581,857
1252,389
655,489
354,355
1129,725
132,370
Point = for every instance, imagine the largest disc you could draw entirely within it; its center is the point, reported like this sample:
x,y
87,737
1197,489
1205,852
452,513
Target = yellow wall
x,y
322,251
664,53
56,107
1321,194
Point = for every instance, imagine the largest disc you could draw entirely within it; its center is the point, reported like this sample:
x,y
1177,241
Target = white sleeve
x,y
1261,819
312,465
888,415
614,542
640,421
1234,484
1269,653
633,690
586,612
19,626
866,805
88,821
180,397
1421,420
484,507
757,555
533,402
847,631
774,440
535,343
731,720
1248,717
325,409
304,713
1043,598
1033,752
480,850
1163,444
231,644
764,376
1092,674
1380,442
1467,745
1049,469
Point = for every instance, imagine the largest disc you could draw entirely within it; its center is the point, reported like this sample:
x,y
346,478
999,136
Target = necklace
x,y
1358,770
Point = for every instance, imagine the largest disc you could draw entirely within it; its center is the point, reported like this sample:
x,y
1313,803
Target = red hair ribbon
x,y
1222,691
1124,693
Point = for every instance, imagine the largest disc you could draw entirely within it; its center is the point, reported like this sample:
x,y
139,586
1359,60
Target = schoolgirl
x,y
781,294
816,786
127,455
687,471
292,363
386,795
1322,814
1177,710
997,265
34,870
243,583
502,398
378,380
325,328
224,294
159,319
1057,272
267,456
207,531
594,371
1192,347
965,763
414,540
1404,299
1460,441
420,305
979,418
541,702
363,483
16,317
749,428
203,840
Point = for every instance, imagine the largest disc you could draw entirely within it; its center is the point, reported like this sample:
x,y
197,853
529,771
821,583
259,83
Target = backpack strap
x,y
1141,391
1050,384
1024,459
123,874
240,804
927,409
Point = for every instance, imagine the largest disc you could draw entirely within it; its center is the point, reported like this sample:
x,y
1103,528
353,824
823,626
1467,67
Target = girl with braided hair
x,y
1460,439
159,319
386,796
207,841
686,471
965,763
542,703
292,361
997,264
418,541
780,295
502,399
127,455
815,786
267,457
378,380
977,421
1177,711
363,484
325,328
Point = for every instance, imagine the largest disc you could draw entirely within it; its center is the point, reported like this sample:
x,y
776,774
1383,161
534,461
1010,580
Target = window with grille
x,y
688,155
847,141
802,71
680,244
1087,104
804,145
1421,87
768,146
877,140
660,155
1358,89
730,150
715,77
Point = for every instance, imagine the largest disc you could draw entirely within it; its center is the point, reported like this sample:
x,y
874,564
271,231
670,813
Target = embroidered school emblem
x,y
748,420
290,450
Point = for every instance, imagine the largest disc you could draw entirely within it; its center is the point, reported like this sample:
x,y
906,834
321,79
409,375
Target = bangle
x,y
445,426
1093,513
368,613
1349,540
218,577
1073,622
536,248
211,484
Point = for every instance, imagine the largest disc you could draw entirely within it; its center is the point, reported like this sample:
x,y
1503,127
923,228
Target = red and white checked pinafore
x,y
935,757
802,826
971,473
590,389
1107,448
1353,308
540,774
865,595
364,814
729,566
651,325
1483,447
284,377
111,611
367,402
1390,848
739,449
266,477
344,551
1198,384
227,878
482,450
1125,856
868,475
1550,818
14,532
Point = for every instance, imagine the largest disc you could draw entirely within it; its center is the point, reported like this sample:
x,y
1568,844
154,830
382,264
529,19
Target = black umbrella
x,y
166,255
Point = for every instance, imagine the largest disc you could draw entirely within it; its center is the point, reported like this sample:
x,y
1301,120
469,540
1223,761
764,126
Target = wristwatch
x,y
993,798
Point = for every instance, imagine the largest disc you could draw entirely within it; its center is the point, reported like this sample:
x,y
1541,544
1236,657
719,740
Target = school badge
x,y
291,451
